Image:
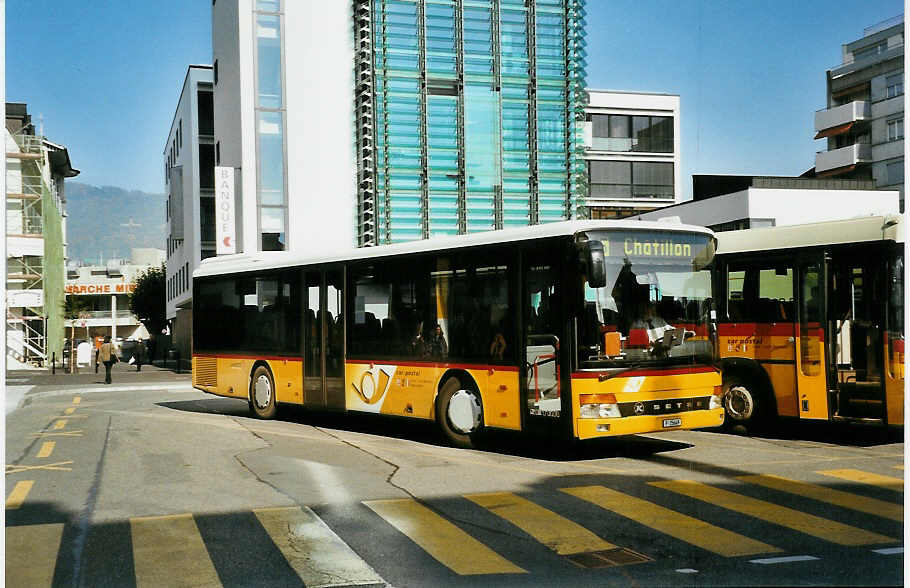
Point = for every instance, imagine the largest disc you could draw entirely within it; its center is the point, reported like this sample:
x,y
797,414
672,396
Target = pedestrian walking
x,y
140,355
107,355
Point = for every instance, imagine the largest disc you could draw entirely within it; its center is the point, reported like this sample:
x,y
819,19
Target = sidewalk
x,y
124,377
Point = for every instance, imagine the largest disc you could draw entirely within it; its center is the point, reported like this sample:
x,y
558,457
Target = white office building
x,y
727,203
189,175
632,152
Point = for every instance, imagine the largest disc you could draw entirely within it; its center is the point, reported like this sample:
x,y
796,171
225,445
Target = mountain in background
x,y
106,221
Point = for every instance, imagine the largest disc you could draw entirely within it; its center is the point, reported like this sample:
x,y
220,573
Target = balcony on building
x,y
842,160
841,119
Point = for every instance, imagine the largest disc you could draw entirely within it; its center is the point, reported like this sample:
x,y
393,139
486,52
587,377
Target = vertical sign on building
x,y
225,229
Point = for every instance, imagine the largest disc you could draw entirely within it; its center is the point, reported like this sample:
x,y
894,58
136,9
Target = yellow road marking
x,y
315,552
46,448
881,508
77,399
31,554
780,515
169,551
70,410
559,534
898,467
669,522
19,494
61,423
862,477
15,469
439,538
60,434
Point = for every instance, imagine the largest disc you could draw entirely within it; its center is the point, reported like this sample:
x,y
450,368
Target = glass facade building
x,y
469,115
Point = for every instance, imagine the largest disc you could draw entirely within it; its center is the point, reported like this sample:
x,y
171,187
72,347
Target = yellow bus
x,y
514,329
811,322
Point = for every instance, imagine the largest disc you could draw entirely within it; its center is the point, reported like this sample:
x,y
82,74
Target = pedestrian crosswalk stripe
x,y
19,493
780,515
441,539
559,534
881,508
31,554
313,550
862,477
683,527
169,551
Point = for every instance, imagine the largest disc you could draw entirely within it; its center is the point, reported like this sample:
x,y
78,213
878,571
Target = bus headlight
x,y
599,406
717,399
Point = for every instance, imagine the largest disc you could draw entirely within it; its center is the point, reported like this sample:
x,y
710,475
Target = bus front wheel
x,y
262,393
459,413
742,404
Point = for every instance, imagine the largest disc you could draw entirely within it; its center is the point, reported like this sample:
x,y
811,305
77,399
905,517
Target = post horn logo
x,y
374,383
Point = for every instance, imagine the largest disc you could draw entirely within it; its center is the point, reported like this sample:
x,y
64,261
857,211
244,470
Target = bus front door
x,y
856,314
542,386
811,381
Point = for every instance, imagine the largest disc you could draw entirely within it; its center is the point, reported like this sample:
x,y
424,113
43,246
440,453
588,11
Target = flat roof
x,y
838,232
266,260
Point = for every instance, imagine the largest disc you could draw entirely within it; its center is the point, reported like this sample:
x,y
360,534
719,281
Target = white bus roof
x,y
854,230
265,260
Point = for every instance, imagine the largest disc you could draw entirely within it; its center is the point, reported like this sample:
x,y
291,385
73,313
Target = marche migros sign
x,y
86,289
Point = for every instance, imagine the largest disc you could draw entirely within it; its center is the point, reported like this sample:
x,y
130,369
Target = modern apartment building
x,y
189,176
632,152
864,119
35,240
381,121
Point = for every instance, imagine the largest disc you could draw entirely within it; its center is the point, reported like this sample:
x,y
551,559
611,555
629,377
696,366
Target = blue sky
x,y
106,74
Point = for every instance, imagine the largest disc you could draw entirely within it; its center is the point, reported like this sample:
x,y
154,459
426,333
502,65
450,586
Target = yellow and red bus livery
x,y
811,321
595,328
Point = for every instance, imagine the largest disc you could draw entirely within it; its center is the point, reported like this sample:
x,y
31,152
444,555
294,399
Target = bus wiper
x,y
603,377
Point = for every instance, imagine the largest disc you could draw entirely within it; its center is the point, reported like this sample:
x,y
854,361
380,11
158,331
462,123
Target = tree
x,y
147,301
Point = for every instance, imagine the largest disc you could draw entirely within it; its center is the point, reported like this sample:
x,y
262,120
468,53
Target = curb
x,y
170,387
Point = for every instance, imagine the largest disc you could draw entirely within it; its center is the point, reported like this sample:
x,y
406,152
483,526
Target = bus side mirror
x,y
595,264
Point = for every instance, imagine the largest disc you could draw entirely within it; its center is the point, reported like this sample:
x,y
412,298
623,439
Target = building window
x,y
871,51
631,179
205,109
217,152
270,126
896,129
895,173
620,132
895,85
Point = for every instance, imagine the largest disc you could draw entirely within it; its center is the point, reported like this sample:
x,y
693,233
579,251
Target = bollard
x,y
177,355
53,363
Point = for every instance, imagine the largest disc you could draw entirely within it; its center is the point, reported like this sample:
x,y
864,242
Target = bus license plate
x,y
672,422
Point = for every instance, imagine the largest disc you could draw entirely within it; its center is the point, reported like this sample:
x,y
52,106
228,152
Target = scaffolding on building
x,y
31,195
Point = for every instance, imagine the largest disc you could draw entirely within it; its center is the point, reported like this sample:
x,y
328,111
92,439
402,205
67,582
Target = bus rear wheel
x,y
262,393
459,413
742,404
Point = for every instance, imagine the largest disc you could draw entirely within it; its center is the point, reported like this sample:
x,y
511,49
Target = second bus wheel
x,y
262,393
743,403
459,413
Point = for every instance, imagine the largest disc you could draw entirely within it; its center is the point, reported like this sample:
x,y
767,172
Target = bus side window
x,y
735,301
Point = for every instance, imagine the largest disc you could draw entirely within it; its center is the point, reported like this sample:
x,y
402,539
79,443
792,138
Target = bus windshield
x,y
655,306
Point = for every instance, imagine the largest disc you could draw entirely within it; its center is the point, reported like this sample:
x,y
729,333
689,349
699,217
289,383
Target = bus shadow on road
x,y
544,445
826,432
